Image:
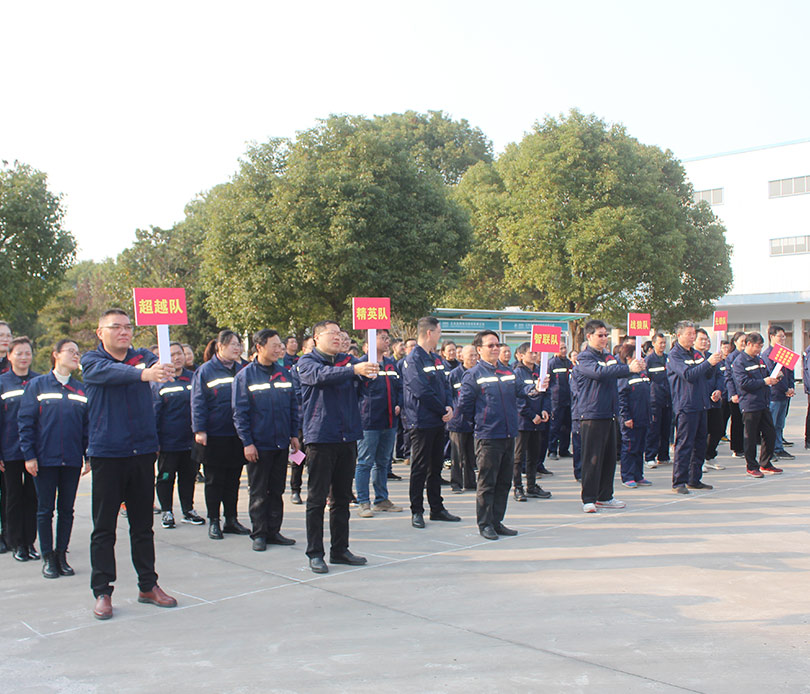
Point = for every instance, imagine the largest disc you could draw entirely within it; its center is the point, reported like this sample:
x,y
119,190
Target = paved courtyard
x,y
708,592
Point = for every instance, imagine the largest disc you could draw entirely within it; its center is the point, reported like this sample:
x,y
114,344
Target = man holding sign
x,y
595,377
754,384
783,390
122,445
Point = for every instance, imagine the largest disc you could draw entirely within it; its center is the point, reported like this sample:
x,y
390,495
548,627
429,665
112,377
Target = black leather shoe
x,y
214,531
455,489
279,539
418,520
259,544
347,558
295,498
700,485
444,515
519,494
680,489
21,554
234,527
488,533
501,529
565,454
538,493
49,568
543,470
393,476
32,553
62,566
318,565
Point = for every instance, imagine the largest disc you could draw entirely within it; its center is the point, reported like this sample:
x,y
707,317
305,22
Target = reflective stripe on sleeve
x,y
510,377
427,369
282,384
559,371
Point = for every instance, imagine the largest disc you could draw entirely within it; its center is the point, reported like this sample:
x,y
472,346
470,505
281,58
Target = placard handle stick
x,y
638,348
372,345
718,338
163,344
776,371
543,370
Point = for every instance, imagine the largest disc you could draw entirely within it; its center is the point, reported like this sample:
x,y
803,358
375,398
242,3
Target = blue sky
x,y
134,109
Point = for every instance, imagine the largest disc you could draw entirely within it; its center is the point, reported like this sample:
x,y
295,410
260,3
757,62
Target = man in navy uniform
x,y
560,426
781,392
460,429
657,447
122,445
428,407
691,383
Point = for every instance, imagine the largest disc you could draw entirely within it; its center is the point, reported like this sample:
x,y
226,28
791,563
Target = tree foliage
x,y
344,210
590,220
35,249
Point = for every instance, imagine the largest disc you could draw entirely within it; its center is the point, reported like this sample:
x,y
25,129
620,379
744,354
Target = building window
x,y
742,328
785,187
790,245
714,196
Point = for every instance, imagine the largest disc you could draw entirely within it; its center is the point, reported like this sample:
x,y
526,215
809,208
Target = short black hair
x,y
478,340
522,348
58,348
288,338
593,325
774,330
320,326
112,312
426,323
754,339
702,330
260,337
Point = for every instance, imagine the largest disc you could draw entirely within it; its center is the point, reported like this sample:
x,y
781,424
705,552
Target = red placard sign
x,y
546,338
638,324
784,356
720,321
371,313
160,306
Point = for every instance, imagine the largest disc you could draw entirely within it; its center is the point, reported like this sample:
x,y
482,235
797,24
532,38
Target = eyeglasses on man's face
x,y
119,327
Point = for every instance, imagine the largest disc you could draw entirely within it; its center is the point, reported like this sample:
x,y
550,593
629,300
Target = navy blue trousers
x,y
690,447
56,489
560,430
658,433
632,456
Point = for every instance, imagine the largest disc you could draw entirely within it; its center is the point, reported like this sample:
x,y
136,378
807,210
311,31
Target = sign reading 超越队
x,y
160,306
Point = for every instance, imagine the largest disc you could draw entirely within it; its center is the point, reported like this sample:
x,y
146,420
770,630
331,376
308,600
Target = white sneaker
x,y
712,466
651,464
589,508
612,503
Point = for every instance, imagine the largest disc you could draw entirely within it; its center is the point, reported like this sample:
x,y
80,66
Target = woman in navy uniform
x,y
265,414
53,437
212,424
19,490
634,417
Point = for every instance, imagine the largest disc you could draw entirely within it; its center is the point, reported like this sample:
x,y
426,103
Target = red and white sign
x,y
160,306
720,321
784,356
371,313
546,338
638,324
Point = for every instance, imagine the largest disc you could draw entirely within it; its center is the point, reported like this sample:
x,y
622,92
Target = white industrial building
x,y
762,196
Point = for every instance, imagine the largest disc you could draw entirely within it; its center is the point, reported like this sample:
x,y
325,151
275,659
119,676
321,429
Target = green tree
x,y
345,210
35,249
594,221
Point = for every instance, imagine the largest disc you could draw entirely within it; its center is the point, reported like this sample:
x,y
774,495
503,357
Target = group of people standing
x,y
341,413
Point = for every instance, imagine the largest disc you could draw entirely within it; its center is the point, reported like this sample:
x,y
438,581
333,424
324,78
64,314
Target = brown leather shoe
x,y
156,596
103,608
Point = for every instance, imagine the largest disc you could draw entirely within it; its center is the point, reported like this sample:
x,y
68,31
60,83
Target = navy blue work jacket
x,y
426,389
788,380
329,398
489,396
596,375
731,385
211,389
53,422
289,360
12,389
659,383
750,373
172,403
634,399
530,401
559,370
265,410
121,414
459,423
690,379
720,383
379,397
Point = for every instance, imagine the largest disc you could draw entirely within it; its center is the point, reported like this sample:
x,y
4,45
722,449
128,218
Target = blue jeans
x,y
374,452
779,410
